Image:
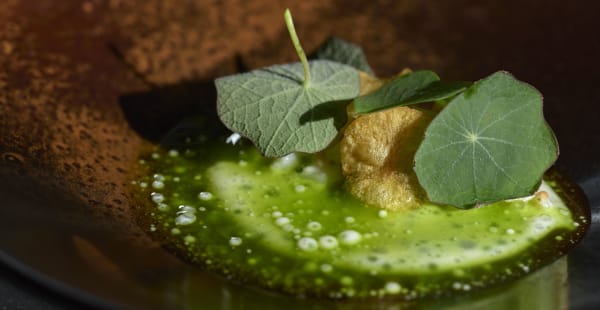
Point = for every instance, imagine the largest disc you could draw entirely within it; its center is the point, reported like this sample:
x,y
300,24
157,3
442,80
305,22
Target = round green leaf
x,y
490,143
279,113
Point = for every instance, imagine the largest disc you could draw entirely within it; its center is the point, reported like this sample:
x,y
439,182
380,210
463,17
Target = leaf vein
x,y
284,120
493,160
511,144
505,115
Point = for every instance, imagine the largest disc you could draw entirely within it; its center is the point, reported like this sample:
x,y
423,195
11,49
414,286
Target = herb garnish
x,y
489,143
288,108
412,88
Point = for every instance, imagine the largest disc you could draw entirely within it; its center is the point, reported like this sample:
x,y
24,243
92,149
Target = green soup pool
x,y
288,225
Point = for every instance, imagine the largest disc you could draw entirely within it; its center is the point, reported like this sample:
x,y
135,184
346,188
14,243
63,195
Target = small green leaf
x,y
490,143
344,52
273,108
436,91
395,92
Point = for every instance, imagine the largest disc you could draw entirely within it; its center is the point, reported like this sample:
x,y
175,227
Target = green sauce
x,y
288,225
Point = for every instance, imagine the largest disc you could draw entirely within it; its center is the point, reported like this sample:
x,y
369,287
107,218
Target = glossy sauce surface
x,y
288,225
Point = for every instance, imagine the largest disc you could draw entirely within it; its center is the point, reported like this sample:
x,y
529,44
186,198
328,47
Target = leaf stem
x,y
292,30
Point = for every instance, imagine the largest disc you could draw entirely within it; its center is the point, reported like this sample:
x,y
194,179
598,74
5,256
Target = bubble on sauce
x,y
542,222
300,188
286,162
189,239
158,184
326,268
382,213
162,206
308,244
282,221
392,288
350,237
524,267
314,226
564,212
186,215
235,241
185,219
328,242
157,197
314,172
206,196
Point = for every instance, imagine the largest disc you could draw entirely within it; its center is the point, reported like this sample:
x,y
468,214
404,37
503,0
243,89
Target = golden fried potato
x,y
369,83
377,152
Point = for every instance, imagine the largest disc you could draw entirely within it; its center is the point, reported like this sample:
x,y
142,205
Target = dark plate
x,y
85,88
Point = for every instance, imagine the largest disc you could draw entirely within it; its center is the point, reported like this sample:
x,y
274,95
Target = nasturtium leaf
x,y
280,115
490,143
395,92
338,50
436,91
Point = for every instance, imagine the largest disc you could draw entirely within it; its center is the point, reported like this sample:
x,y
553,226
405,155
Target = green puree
x,y
288,225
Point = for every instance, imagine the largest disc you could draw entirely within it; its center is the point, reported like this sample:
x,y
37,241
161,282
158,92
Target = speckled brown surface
x,y
68,67
62,131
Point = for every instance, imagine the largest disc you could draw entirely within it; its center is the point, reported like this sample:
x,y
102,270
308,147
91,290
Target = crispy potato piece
x,y
369,83
377,152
